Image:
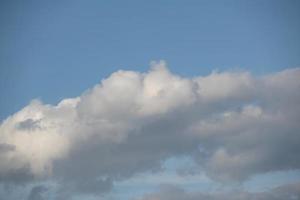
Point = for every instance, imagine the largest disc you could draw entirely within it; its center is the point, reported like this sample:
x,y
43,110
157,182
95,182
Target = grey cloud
x,y
285,192
6,147
28,124
37,193
17,176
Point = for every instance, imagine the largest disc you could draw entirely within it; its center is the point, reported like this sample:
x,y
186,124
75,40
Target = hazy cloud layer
x,y
286,192
233,124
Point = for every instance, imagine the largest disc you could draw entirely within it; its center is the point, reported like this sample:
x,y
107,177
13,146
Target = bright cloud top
x,y
233,124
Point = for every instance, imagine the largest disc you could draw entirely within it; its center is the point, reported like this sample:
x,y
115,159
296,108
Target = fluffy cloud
x,y
233,124
286,192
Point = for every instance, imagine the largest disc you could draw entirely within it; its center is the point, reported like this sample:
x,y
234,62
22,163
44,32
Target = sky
x,y
145,100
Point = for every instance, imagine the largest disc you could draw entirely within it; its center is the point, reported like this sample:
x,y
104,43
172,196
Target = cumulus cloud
x,y
233,124
286,192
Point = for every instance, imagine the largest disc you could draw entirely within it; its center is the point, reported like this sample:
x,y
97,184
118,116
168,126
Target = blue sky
x,y
55,50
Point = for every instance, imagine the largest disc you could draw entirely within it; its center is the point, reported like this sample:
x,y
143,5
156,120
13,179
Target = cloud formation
x,y
286,192
37,193
235,125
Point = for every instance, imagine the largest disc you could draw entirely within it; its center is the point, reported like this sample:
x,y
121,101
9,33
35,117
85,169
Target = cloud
x,y
37,192
234,125
6,147
286,192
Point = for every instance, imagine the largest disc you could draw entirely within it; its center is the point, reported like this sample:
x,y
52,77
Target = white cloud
x,y
234,124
